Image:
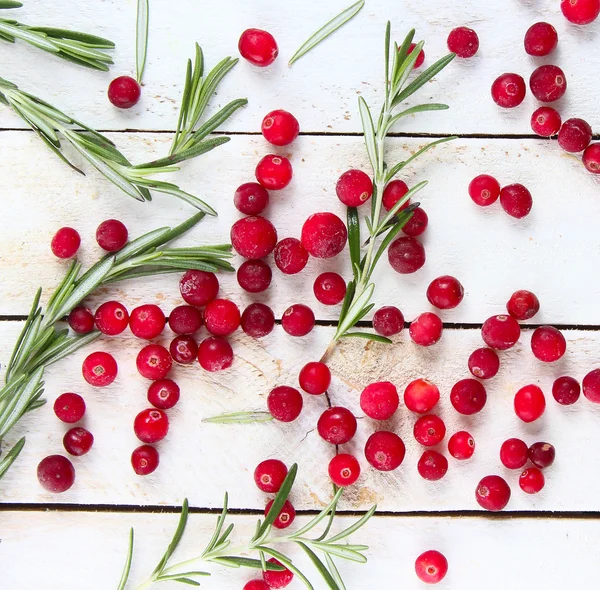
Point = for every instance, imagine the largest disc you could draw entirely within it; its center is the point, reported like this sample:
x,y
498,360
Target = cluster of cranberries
x,y
515,199
111,236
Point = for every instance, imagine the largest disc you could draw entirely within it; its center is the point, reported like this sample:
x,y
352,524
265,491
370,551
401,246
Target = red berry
x,y
284,403
417,224
69,407
575,135
388,321
591,386
78,441
421,396
215,354
580,12
163,394
566,390
329,288
274,172
546,121
112,235
484,363
426,329
56,474
432,465
221,317
280,127
183,349
124,92
324,235
111,318
277,579
508,90
185,319
354,188
548,83
99,369
484,190
151,425
315,378
431,567
529,403
394,192
463,41
147,321
548,344
144,460
256,585
385,450
461,445
251,198
492,493
258,320
344,470
591,158
523,305
429,430
81,320
542,454
513,453
500,332
65,243
445,292
406,255
254,276
420,57
379,400
337,425
290,256
468,396
541,39
286,515
198,287
258,47
516,200
253,237
154,362
298,320
269,475
532,480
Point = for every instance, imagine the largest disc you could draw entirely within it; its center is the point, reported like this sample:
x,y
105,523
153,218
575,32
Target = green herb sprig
x,y
141,37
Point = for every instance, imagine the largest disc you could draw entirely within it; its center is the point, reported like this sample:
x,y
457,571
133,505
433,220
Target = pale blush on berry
x,y
529,403
78,441
532,480
277,579
429,430
269,475
508,90
406,255
65,243
546,121
548,83
111,318
324,235
147,321
540,39
154,362
298,320
151,425
575,135
284,403
463,41
315,378
221,317
215,354
426,329
500,332
254,276
112,235
484,190
484,363
468,396
163,394
274,172
337,425
99,369
253,237
580,12
421,396
542,454
290,256
431,567
420,58
388,321
461,445
548,344
185,320
280,127
145,460
591,158
354,188
566,390
492,493
384,450
258,47
198,287
513,453
417,224
124,92
81,320
445,292
344,470
286,515
379,400
257,320
56,474
183,349
329,288
516,200
432,465
69,407
251,198
523,305
591,386
394,192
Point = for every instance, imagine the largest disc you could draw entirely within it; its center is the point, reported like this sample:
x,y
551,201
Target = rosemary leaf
x,y
369,132
287,562
331,583
335,574
89,40
279,501
239,418
353,238
10,457
393,171
220,522
341,551
141,37
234,561
176,539
355,526
127,566
367,336
10,4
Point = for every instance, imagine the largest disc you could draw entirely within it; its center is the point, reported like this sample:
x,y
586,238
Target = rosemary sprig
x,y
80,48
42,343
141,37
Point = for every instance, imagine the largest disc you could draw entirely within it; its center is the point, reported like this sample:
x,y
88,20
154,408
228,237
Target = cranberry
x,y
566,390
542,454
548,344
277,579
154,362
198,287
548,83
185,319
254,276
269,475
69,407
111,318
492,493
99,369
251,198
280,127
65,243
253,237
290,256
406,255
500,332
337,425
298,320
81,320
151,425
591,158
463,41
379,400
580,12
385,450
258,47
417,224
354,188
388,321
274,172
144,460
56,474
394,192
183,349
575,135
124,92
284,403
432,465
221,317
329,288
546,121
541,39
429,430
445,292
461,445
484,190
426,329
431,567
163,394
516,200
286,515
484,363
258,320
147,321
112,235
532,480
324,235
591,386
315,378
468,396
78,441
508,90
215,354
421,396
523,305
420,57
513,453
530,403
344,470
256,585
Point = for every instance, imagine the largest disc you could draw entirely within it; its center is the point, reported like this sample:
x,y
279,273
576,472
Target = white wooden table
x,y
78,539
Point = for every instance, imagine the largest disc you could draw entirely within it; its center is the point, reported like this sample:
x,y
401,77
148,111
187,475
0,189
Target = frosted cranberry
x,y
484,363
256,585
461,445
463,41
420,57
431,567
566,390
56,474
274,172
508,90
151,425
147,321
421,396
286,515
315,378
591,158
221,317
65,243
546,121
484,190
284,403
290,256
393,192
513,453
215,354
500,332
111,318
124,92
492,493
144,460
529,403
253,237
385,450
379,400
542,454
426,329
78,441
99,369
154,362
575,135
185,319
337,425
163,394
254,276
354,188
523,305
406,255
251,198
81,320
429,430
269,475
541,39
277,579
112,235
432,465
324,235
69,407
280,127
591,386
298,320
417,224
258,320
445,292
532,480
548,344
580,12
548,83
198,287
516,200
183,349
258,47
344,470
388,321
468,396
329,288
